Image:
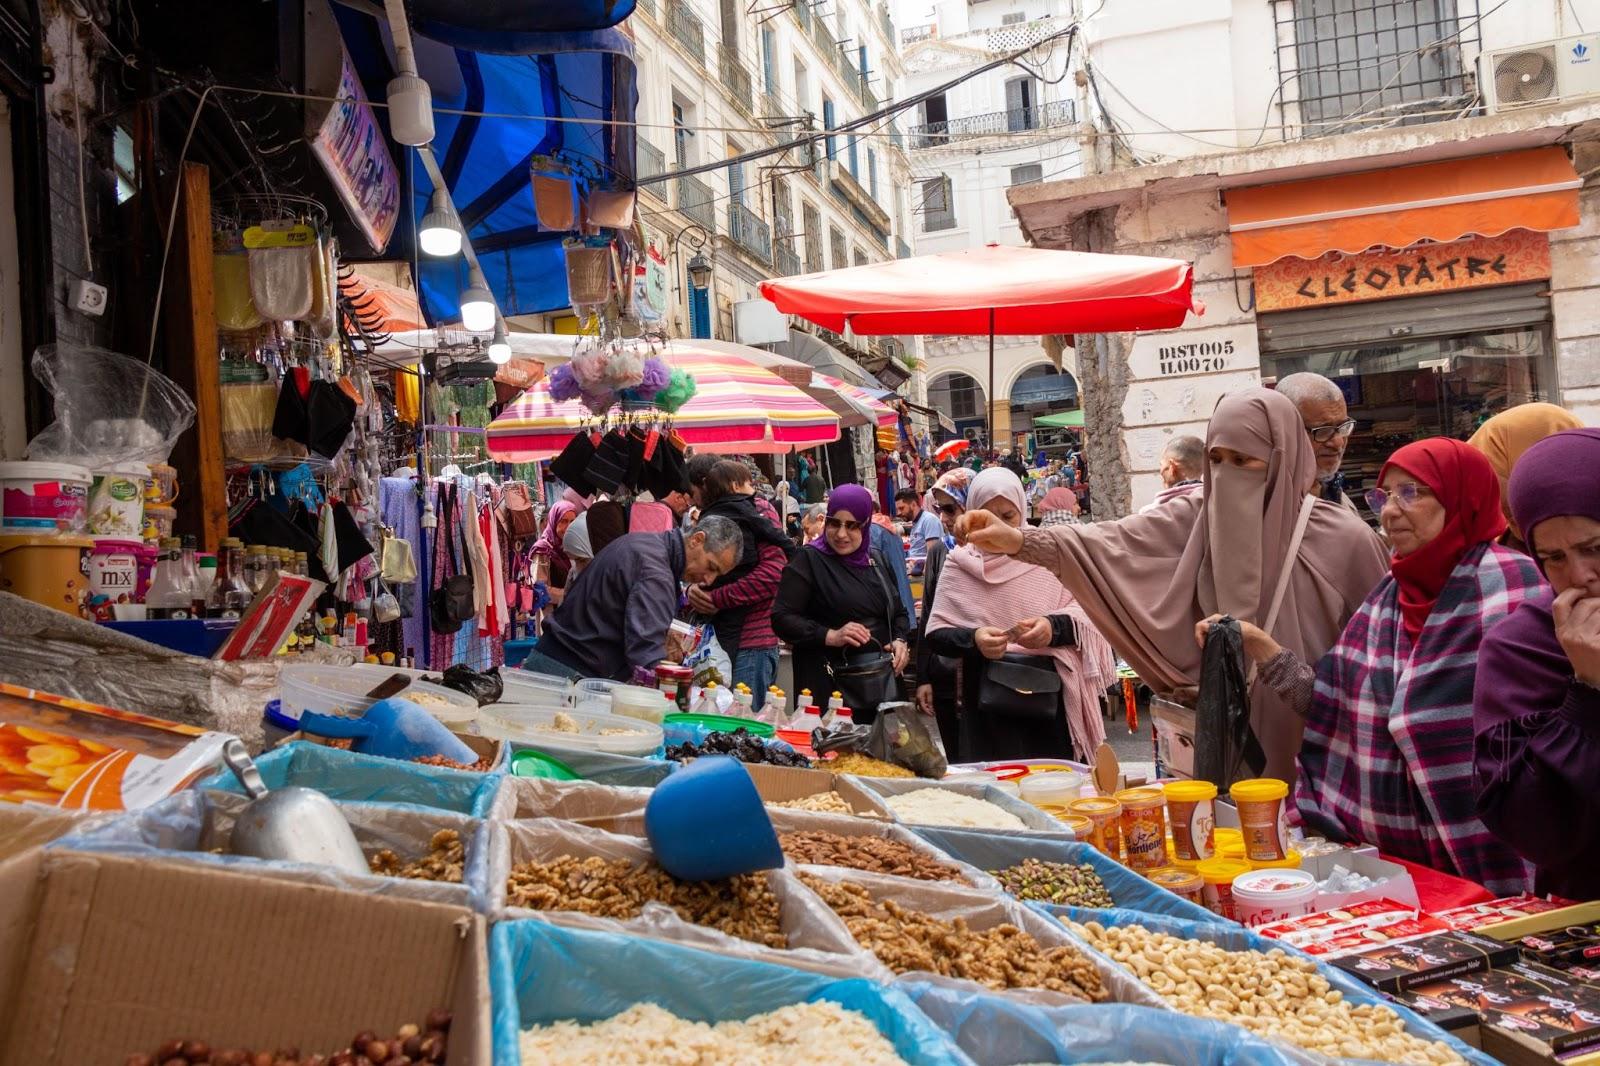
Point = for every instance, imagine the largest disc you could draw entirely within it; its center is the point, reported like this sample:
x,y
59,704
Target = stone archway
x,y
961,396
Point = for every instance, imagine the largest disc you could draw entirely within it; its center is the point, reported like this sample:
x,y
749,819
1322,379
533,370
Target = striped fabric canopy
x,y
737,407
884,416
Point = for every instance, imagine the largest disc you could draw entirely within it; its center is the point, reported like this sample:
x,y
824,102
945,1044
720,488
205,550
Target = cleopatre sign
x,y
1188,352
1475,263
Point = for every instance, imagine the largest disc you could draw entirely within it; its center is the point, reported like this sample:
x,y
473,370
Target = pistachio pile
x,y
1055,882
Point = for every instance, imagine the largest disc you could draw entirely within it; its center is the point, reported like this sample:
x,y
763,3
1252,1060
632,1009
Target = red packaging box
x,y
1356,940
1495,911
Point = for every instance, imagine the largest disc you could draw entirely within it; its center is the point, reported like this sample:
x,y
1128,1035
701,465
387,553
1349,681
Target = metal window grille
x,y
938,205
1027,174
811,229
1348,65
1013,18
837,255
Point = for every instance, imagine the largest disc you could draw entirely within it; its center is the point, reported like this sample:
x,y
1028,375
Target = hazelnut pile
x,y
482,766
444,861
412,1045
873,854
1002,957
742,906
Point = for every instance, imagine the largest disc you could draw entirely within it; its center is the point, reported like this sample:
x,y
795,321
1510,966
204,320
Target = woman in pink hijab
x,y
1255,545
997,614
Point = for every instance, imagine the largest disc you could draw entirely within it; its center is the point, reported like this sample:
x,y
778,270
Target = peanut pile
x,y
444,861
873,854
1272,994
1002,957
742,906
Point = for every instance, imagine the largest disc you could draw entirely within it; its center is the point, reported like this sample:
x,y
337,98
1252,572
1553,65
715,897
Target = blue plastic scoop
x,y
393,728
706,822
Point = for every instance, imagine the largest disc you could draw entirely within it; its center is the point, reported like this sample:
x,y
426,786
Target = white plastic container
x,y
524,686
116,502
1059,787
44,498
634,701
1262,897
343,690
535,724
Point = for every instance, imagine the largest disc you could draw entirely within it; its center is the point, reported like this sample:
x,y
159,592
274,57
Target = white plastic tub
x,y
523,686
343,690
44,498
1262,897
534,724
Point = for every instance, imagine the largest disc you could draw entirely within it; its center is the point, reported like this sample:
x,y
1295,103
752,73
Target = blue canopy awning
x,y
513,26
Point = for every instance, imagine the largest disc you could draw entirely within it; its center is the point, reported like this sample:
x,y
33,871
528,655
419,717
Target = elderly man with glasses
x,y
1328,422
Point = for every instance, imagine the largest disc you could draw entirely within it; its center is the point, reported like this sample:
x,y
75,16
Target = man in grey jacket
x,y
613,621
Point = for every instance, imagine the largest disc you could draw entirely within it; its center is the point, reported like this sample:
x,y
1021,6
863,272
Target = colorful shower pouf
x,y
680,389
626,368
564,384
655,376
592,369
599,402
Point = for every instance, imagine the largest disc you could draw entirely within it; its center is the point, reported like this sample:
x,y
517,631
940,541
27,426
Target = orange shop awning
x,y
1487,195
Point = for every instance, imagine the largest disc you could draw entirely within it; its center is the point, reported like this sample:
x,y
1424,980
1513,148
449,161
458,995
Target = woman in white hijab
x,y
575,542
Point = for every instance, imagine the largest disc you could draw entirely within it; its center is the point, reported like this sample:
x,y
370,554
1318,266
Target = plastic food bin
x,y
534,724
343,690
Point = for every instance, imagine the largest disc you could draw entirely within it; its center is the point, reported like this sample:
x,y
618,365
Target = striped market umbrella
x,y
883,416
737,407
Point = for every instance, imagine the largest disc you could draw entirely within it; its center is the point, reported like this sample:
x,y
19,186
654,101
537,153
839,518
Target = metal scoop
x,y
290,824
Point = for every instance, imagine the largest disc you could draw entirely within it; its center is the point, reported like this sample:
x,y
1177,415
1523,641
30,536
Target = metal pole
x,y
991,397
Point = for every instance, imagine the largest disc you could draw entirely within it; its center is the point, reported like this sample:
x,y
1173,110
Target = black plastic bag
x,y
900,734
485,686
1225,747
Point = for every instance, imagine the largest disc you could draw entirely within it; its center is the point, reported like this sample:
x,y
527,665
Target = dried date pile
x,y
1002,957
411,1046
444,861
873,854
741,906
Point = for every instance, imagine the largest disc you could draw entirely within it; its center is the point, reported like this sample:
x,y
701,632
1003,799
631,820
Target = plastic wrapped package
x,y
195,826
794,821
109,408
985,910
996,1031
1037,821
998,851
817,938
519,798
1234,937
349,777
541,973
247,422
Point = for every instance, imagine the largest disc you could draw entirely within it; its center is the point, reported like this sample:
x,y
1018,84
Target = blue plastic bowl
x,y
706,822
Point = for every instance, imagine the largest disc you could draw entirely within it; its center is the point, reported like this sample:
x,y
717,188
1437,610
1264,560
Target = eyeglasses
x,y
842,523
1323,434
1405,495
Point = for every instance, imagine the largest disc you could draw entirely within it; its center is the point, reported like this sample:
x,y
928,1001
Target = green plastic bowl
x,y
720,723
530,763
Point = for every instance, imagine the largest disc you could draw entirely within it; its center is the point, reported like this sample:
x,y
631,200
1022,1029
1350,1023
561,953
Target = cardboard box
x,y
1533,1009
1404,966
1460,1022
779,783
1476,916
126,953
484,747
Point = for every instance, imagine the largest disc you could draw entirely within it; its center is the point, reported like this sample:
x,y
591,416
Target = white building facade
x,y
1398,194
1004,127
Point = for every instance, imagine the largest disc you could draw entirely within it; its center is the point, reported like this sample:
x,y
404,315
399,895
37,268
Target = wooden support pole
x,y
193,361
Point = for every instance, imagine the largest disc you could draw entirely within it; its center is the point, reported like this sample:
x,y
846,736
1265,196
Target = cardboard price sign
x,y
1479,262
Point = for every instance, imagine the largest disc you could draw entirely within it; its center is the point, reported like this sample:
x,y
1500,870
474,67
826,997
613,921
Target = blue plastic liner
x,y
1234,937
602,767
995,1031
541,973
997,851
353,778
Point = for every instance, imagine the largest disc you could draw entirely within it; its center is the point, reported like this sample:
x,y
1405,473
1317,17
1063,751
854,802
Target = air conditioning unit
x,y
1547,72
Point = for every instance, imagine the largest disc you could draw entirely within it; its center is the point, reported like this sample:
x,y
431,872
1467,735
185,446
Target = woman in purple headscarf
x,y
1536,706
838,606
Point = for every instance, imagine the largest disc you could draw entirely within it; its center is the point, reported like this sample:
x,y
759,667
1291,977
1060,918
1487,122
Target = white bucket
x,y
1262,897
116,503
43,498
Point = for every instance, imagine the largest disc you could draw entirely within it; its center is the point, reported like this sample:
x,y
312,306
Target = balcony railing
x,y
1043,116
652,160
647,6
785,263
823,37
869,99
687,30
887,22
802,12
750,232
696,200
736,79
912,34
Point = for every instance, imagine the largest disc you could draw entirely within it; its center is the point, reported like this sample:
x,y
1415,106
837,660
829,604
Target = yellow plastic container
x,y
1229,843
1144,827
1192,814
1261,815
1181,883
1217,877
1105,814
48,570
1288,862
1082,826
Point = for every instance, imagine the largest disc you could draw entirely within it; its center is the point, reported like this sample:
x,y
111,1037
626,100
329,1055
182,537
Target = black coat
x,y
820,592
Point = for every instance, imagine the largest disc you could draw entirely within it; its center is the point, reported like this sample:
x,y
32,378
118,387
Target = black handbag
x,y
1020,686
452,602
865,676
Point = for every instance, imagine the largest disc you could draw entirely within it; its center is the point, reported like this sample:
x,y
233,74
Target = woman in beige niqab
x,y
1147,579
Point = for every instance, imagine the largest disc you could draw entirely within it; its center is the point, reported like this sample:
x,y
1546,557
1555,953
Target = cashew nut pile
x,y
1001,957
742,906
445,858
824,803
819,1034
1272,994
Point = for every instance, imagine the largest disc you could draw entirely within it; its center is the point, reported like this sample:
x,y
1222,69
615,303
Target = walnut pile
x,y
873,854
1002,957
444,861
742,906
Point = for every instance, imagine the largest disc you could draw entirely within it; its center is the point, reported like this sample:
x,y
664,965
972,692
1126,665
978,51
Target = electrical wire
x,y
172,224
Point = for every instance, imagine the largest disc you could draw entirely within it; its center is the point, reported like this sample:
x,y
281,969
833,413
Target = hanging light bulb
x,y
477,305
500,347
440,231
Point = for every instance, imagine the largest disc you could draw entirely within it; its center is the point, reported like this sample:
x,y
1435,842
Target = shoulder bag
x,y
452,602
516,512
864,677
1020,685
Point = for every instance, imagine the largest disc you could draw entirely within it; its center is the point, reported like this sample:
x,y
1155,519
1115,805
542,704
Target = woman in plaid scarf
x,y
1387,757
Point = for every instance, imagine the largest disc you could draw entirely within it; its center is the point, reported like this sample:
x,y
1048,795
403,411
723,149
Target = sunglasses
x,y
1405,495
949,508
1323,434
845,524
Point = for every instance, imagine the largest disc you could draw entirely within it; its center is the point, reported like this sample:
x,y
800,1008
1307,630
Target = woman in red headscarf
x,y
1387,757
